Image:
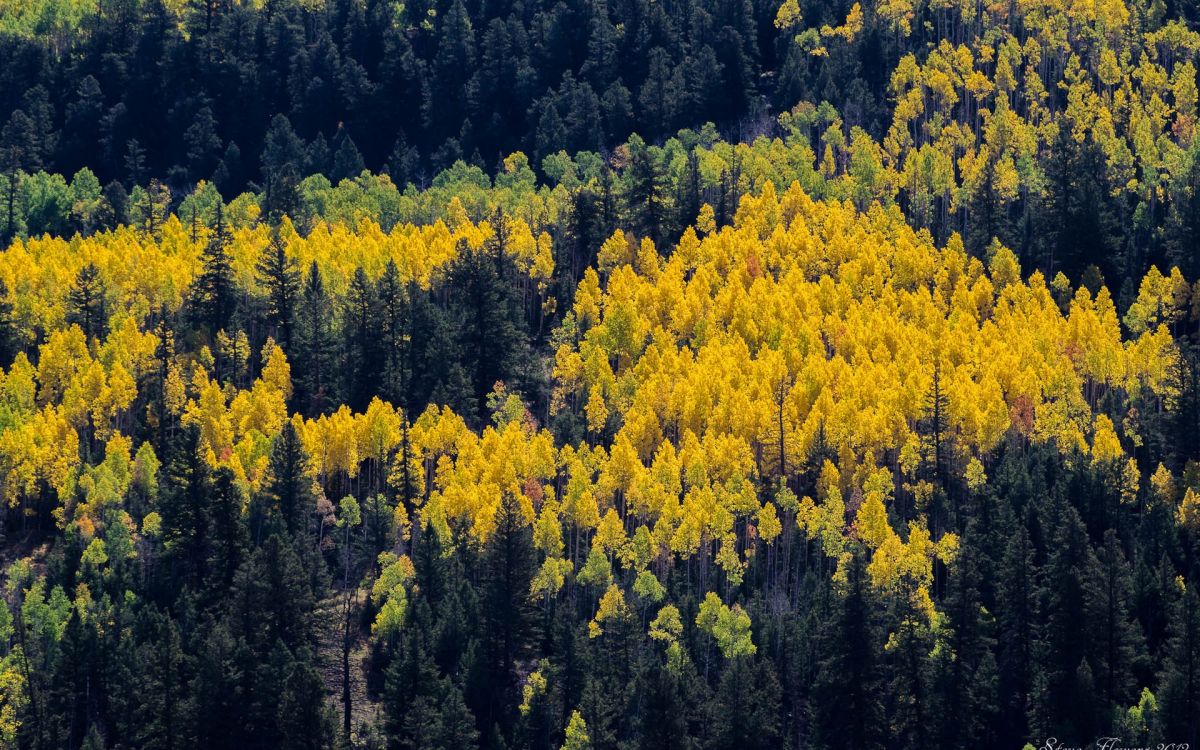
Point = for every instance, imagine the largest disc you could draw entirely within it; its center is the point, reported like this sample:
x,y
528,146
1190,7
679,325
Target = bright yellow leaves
x,y
551,577
13,697
103,486
577,737
612,607
973,117
1162,484
1189,511
897,565
722,367
1106,447
789,16
43,449
839,337
769,526
597,412
825,522
667,625
975,475
871,524
1161,300
534,687
142,274
475,472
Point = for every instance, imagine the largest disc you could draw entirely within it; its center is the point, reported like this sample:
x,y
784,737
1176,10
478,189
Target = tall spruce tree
x,y
280,277
88,307
486,314
849,710
215,293
363,361
316,375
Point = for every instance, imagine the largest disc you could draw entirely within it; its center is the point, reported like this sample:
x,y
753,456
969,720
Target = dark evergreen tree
x,y
746,707
214,293
1184,406
551,133
164,715
304,720
424,710
688,202
115,209
19,152
280,277
317,157
203,145
663,720
88,307
1079,223
404,163
987,219
659,94
451,69
218,688
849,712
486,314
508,624
1115,639
227,548
315,360
645,191
229,175
1179,694
84,116
282,157
1181,230
9,332
934,428
286,502
363,360
908,672
965,680
394,307
134,162
184,508
1065,701
1017,617
347,161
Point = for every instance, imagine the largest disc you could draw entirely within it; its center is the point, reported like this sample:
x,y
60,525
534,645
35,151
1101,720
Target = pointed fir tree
x,y
1179,681
316,348
87,306
214,293
363,364
280,277
848,711
1115,640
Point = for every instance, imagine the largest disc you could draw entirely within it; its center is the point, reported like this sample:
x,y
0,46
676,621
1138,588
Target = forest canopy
x,y
610,375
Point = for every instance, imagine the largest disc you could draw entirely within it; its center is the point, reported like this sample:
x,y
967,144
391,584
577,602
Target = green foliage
x,y
730,626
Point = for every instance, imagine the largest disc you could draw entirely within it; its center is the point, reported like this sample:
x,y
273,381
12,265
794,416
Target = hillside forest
x,y
599,374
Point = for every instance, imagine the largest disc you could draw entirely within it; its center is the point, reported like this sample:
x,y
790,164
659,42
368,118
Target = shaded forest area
x,y
140,90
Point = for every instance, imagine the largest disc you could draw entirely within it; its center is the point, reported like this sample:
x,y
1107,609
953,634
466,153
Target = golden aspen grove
x,y
586,375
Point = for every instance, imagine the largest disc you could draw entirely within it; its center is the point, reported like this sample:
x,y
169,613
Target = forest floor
x,y
34,544
363,710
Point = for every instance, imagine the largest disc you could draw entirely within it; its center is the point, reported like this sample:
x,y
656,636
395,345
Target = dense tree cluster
x,y
438,375
264,522
1065,132
197,90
